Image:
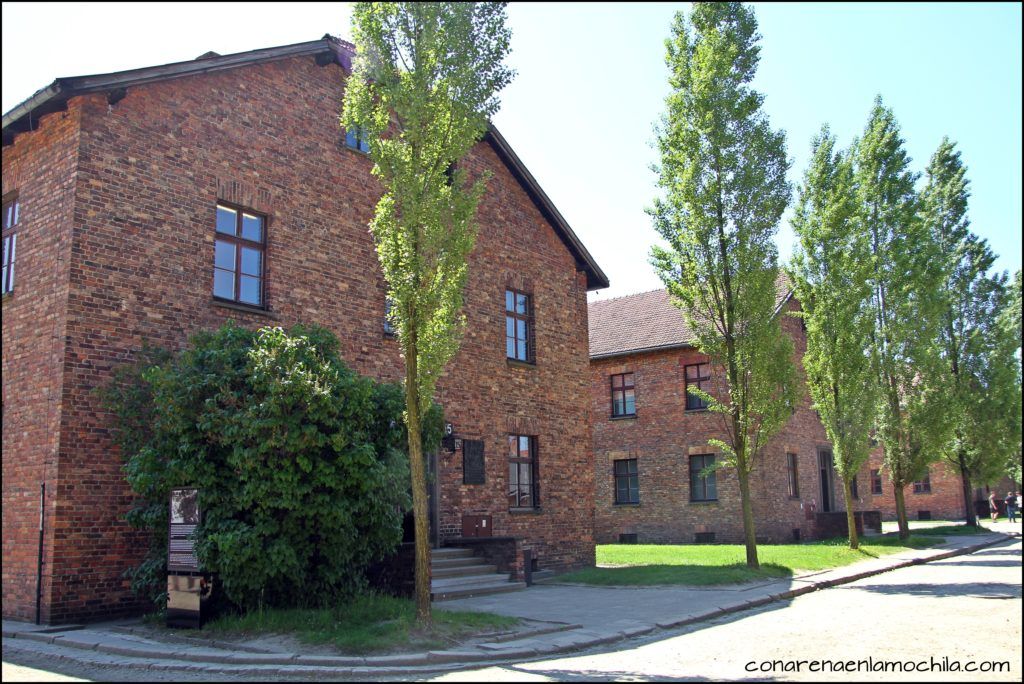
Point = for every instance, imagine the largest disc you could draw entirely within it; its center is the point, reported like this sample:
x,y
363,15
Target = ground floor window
x,y
627,482
703,484
876,481
924,485
523,491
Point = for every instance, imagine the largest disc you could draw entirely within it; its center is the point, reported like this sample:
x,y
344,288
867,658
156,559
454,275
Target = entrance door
x,y
827,473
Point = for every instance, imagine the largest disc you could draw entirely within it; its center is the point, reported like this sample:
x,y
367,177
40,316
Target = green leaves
x,y
722,176
299,461
830,271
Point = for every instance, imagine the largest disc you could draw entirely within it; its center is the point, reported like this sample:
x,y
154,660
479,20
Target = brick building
x,y
651,438
651,442
148,204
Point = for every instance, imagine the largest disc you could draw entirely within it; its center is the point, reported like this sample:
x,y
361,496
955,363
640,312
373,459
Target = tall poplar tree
x,y
830,272
980,365
424,83
905,278
723,176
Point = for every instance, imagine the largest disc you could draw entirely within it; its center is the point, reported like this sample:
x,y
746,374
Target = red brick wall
x,y
41,169
151,170
663,435
944,501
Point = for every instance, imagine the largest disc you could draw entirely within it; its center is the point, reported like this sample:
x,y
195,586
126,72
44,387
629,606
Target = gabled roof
x,y
647,321
327,50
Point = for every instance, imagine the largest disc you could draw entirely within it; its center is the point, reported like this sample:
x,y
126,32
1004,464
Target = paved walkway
x,y
574,617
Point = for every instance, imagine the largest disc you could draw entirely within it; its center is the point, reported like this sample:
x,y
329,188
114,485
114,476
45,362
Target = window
x,y
627,482
853,488
794,482
357,139
522,472
876,481
238,256
702,487
518,326
623,398
389,327
11,210
924,485
698,376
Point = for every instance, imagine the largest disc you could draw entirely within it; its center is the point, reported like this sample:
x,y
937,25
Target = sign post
x,y
187,587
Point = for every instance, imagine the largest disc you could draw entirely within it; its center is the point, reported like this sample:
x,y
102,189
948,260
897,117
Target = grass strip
x,y
714,564
363,625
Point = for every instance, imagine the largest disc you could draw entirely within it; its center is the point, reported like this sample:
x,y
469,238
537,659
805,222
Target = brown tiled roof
x,y
645,322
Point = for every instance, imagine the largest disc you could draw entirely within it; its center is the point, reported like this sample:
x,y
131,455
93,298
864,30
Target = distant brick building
x,y
650,449
651,443
149,204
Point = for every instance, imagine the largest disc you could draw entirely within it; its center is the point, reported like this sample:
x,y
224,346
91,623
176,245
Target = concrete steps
x,y
457,573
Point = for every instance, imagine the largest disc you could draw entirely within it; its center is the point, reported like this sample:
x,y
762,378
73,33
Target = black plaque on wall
x,y
472,461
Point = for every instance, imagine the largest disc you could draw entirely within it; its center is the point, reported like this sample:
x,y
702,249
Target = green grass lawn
x,y
710,564
366,624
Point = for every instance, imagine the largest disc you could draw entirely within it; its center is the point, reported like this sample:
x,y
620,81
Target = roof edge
x,y
596,278
642,350
55,96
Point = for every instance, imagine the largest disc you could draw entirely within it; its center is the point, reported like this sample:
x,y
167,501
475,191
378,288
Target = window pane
x,y
616,381
509,301
521,330
224,255
252,227
223,284
510,347
512,451
712,487
16,207
705,370
510,326
250,290
621,491
251,261
630,402
617,406
521,303
7,243
226,219
691,372
627,380
620,467
513,475
524,446
524,474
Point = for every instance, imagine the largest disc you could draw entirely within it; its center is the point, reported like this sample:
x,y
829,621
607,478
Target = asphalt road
x,y
960,612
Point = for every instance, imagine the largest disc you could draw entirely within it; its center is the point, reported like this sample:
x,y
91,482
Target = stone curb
x,y
496,653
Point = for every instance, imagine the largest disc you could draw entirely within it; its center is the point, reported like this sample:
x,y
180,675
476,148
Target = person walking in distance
x,y
1011,506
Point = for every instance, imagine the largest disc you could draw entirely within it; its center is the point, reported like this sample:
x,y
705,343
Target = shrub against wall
x,y
301,463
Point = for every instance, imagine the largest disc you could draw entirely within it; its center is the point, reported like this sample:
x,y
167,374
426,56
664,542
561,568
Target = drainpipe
x,y
39,563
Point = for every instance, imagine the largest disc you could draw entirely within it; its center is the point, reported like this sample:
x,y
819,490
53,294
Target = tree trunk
x,y
418,473
970,517
901,511
750,539
851,519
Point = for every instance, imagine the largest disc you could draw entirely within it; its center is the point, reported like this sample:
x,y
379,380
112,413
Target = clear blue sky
x,y
592,80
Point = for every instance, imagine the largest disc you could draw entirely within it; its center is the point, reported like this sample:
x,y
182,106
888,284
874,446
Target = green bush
x,y
301,463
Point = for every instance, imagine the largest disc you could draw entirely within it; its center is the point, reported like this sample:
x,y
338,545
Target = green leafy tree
x,y
424,82
723,176
830,275
1010,325
300,462
981,367
905,279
